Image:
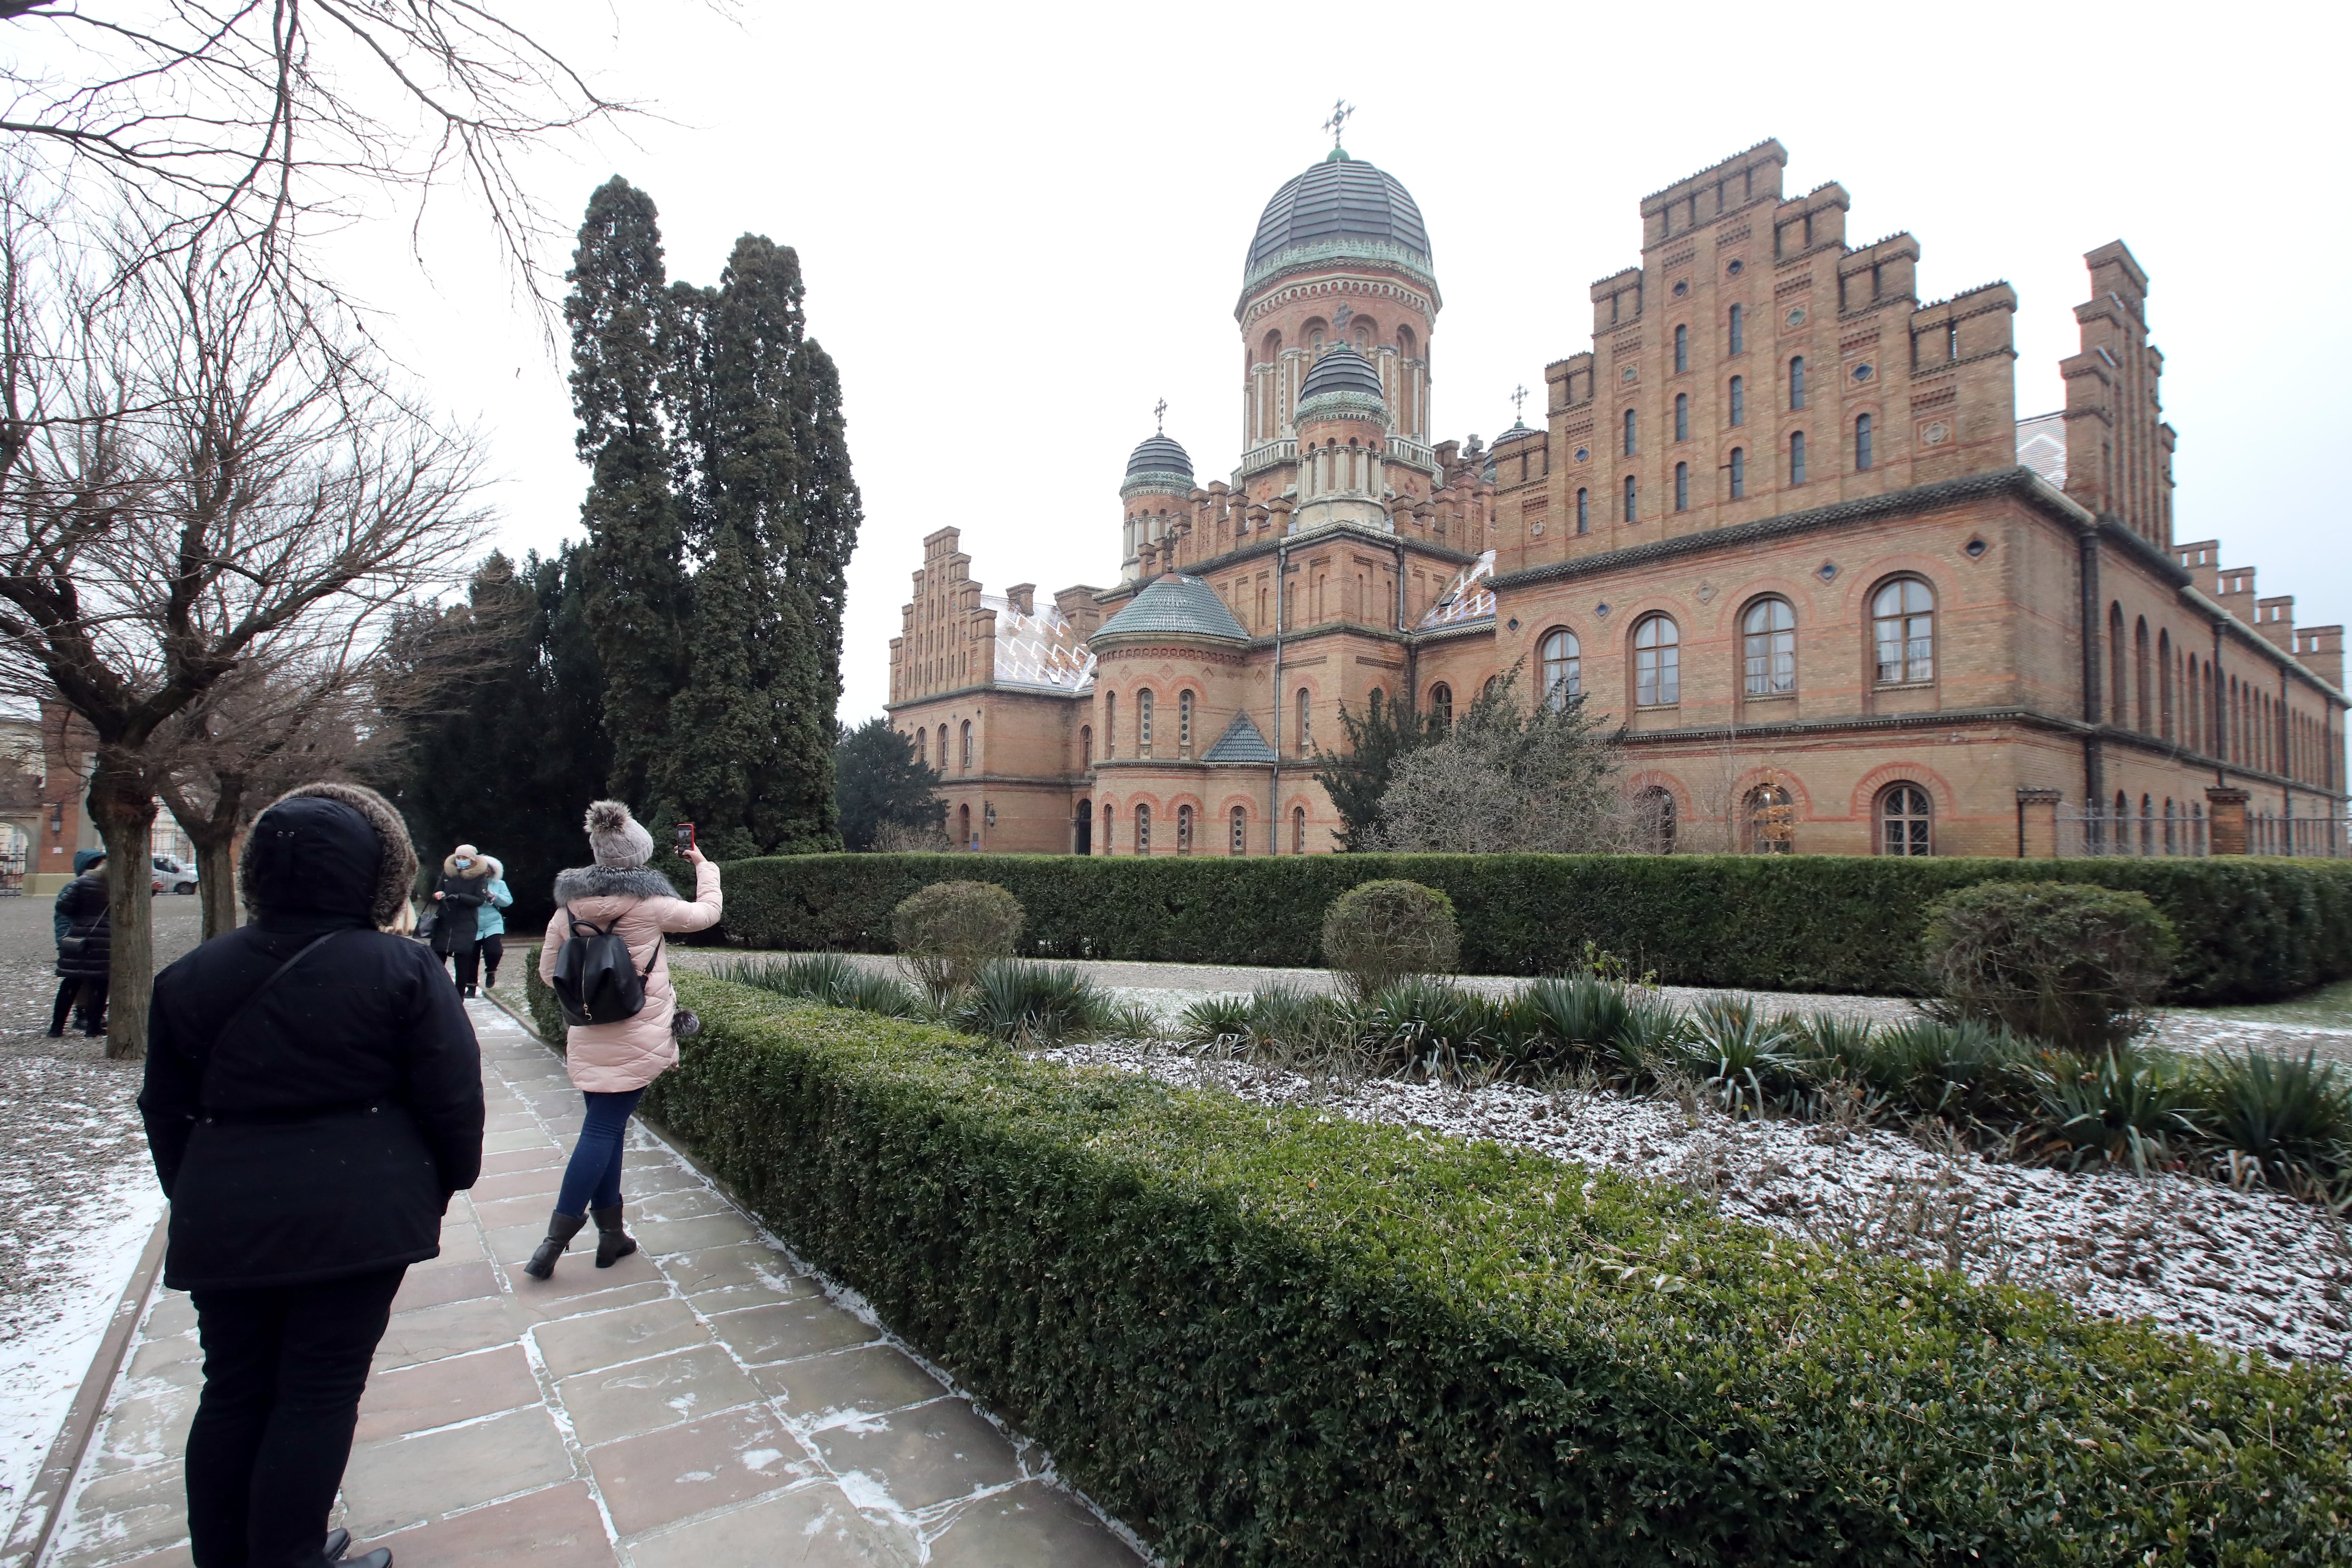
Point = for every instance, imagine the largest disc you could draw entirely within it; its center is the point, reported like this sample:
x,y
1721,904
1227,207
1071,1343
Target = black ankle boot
x,y
613,1243
338,1543
561,1228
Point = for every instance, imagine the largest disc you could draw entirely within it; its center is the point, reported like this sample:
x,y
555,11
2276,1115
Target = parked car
x,y
174,872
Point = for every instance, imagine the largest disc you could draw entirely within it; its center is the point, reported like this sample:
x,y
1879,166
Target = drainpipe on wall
x,y
1274,773
1411,654
2095,782
2220,730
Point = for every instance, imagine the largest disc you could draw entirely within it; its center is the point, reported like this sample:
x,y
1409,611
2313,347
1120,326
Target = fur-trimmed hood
x,y
396,865
478,869
611,882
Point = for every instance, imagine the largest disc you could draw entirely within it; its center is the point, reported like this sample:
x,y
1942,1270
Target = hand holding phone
x,y
685,846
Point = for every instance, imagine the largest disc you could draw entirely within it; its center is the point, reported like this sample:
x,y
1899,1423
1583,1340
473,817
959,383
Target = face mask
x,y
463,861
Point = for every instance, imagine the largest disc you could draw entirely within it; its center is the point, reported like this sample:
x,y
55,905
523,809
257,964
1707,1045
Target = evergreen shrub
x,y
2250,930
1272,1336
1380,932
948,930
2075,966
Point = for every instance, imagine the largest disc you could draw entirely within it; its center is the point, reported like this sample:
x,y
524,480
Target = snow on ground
x,y
2251,1271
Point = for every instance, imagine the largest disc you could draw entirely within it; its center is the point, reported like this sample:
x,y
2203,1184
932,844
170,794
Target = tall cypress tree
x,y
636,571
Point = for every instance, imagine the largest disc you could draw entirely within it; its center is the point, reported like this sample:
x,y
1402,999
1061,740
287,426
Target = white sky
x,y
1021,226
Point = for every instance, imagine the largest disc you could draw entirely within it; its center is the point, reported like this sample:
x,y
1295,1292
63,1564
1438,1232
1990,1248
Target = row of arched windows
x,y
1188,828
1903,817
1146,706
2179,697
923,747
1865,457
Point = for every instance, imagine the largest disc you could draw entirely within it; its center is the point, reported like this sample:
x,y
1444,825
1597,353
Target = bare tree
x,y
221,127
1511,777
204,472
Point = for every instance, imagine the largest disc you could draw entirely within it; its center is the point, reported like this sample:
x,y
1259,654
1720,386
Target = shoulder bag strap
x,y
275,975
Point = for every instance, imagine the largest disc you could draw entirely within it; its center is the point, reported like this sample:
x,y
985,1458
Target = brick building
x,y
1781,520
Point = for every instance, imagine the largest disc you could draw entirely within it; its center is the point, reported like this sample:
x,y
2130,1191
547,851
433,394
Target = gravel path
x,y
76,1189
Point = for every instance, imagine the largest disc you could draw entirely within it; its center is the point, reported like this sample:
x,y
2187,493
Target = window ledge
x,y
1770,696
1657,706
1905,686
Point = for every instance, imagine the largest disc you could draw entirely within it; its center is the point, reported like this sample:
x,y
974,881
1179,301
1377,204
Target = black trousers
x,y
483,954
92,992
284,1369
492,948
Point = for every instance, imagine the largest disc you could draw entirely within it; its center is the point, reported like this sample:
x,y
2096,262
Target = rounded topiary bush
x,y
2070,964
1377,933
948,930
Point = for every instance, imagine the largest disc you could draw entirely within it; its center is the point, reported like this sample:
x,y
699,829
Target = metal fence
x,y
2098,830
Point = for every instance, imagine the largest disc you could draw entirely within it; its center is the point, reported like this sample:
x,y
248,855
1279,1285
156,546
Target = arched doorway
x,y
1082,830
963,828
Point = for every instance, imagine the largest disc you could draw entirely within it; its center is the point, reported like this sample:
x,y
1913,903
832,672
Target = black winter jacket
x,y
460,906
82,903
324,1137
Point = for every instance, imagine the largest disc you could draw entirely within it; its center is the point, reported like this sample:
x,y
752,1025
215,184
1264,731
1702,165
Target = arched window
x,y
1143,723
1629,432
963,828
1488,689
1657,663
1737,339
1086,745
1905,821
1305,731
1903,623
1797,457
1682,350
1143,830
1374,702
1739,400
2143,680
1771,820
1440,706
1630,494
1653,820
1111,723
1682,487
923,747
1739,473
2172,829
1682,415
1768,648
2146,826
1563,666
1861,442
1299,830
1583,510
964,755
943,748
1797,382
1237,832
1184,723
1183,830
1108,815
2119,681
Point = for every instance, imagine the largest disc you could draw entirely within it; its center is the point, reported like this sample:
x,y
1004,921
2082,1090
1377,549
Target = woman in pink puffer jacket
x,y
611,1064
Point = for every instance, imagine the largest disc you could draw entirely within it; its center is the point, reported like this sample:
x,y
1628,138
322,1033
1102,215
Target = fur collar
x,y
396,874
478,869
611,882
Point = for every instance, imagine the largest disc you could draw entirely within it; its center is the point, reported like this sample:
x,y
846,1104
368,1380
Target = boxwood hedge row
x,y
1275,1337
2252,929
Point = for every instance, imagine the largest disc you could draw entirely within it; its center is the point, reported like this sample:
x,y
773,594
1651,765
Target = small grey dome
x,y
1519,432
1159,454
1340,198
1342,370
1172,602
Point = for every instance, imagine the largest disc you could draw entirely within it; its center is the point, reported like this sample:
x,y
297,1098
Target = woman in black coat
x,y
313,1098
85,945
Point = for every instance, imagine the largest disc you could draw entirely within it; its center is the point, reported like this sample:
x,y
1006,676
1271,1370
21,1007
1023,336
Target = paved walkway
x,y
701,1404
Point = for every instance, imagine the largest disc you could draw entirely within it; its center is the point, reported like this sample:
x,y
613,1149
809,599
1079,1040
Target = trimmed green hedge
x,y
1277,1337
538,1001
2250,930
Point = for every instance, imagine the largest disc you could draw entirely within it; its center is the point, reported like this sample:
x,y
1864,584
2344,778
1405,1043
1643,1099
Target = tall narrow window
x,y
1903,620
1183,830
1441,706
1629,433
2142,683
1299,830
1739,472
1375,701
1143,830
1657,663
1737,340
1682,487
1905,821
1237,832
1143,723
1305,732
1952,340
1653,820
964,757
1682,415
1563,667
1583,510
1630,498
1086,745
1682,350
1797,457
1110,726
1861,443
1797,382
923,747
1768,635
943,748
1184,723
1109,814
1739,400
1771,820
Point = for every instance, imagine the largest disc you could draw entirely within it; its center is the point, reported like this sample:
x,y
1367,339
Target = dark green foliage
x,y
878,783
1023,1001
2122,1106
832,978
2292,1117
2072,965
1270,1336
1378,933
947,931
1926,1067
539,1000
509,747
1357,776
1747,1062
637,567
2250,930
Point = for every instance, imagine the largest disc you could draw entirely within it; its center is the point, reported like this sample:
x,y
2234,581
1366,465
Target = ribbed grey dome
x,y
1519,432
1342,370
1337,199
1171,603
1159,454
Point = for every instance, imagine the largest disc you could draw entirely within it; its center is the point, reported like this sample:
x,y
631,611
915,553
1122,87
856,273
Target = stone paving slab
x,y
703,1403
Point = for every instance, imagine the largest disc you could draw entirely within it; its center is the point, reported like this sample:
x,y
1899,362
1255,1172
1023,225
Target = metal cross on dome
x,y
1519,403
1340,110
1159,415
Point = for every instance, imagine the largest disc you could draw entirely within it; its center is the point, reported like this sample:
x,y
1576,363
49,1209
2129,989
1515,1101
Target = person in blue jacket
x,y
491,928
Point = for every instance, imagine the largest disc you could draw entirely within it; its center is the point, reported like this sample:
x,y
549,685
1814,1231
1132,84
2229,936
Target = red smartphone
x,y
685,836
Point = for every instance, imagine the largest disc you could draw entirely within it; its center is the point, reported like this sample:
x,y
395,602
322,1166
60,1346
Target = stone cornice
x,y
1261,290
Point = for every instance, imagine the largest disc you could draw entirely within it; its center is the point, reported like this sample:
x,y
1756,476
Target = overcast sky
x,y
1021,226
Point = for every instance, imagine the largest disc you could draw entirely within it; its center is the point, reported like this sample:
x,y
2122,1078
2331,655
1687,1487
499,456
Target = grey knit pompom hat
x,y
615,838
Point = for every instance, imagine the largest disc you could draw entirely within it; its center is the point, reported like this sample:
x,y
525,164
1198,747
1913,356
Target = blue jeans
x,y
594,1177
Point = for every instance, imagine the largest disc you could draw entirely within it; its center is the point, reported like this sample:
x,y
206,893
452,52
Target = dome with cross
x,y
1341,208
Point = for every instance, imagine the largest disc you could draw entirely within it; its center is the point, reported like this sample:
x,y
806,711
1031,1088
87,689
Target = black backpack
x,y
596,981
